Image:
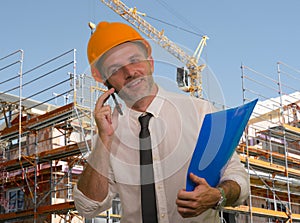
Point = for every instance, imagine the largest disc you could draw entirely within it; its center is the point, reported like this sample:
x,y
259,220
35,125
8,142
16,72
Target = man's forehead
x,y
120,53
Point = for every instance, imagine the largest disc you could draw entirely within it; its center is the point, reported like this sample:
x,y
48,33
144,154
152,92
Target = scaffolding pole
x,y
268,130
247,146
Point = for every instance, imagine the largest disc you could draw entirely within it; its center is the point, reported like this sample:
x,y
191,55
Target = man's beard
x,y
132,97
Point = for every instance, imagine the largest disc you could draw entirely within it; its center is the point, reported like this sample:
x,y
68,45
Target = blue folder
x,y
219,136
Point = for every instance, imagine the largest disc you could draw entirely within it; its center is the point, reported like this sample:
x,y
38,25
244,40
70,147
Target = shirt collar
x,y
157,103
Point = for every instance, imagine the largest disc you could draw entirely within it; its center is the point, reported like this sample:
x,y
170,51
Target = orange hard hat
x,y
108,35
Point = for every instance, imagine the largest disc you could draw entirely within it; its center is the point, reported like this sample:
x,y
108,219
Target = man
x,y
121,59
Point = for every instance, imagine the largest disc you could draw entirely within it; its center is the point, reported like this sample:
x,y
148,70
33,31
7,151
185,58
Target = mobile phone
x,y
118,106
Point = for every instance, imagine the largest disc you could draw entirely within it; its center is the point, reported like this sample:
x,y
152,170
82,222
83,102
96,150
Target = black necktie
x,y
149,211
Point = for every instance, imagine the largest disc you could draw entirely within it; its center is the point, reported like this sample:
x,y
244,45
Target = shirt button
x,y
162,215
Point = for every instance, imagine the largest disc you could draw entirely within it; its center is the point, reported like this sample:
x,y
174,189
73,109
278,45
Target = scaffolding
x,y
46,129
270,146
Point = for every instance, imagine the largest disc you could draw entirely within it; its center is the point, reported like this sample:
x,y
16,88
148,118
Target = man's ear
x,y
96,74
107,84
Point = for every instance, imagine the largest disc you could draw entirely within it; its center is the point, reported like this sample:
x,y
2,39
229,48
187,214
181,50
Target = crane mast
x,y
191,62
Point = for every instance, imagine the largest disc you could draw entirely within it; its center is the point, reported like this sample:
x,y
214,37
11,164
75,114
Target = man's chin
x,y
133,95
131,99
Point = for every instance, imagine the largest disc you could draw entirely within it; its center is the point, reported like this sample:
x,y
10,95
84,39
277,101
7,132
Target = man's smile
x,y
134,83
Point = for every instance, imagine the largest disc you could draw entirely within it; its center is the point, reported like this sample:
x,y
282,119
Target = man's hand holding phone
x,y
117,104
106,120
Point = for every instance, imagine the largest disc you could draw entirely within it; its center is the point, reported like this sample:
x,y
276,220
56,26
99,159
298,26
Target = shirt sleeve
x,y
89,208
235,171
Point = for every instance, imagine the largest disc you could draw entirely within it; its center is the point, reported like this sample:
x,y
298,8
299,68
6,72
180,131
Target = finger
x,y
103,98
197,180
104,110
185,195
183,203
186,212
107,113
102,116
100,108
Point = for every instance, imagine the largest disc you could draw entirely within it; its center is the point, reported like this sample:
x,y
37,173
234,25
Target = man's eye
x,y
114,71
135,60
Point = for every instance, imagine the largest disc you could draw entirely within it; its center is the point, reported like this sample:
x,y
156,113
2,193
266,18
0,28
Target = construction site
x,y
46,135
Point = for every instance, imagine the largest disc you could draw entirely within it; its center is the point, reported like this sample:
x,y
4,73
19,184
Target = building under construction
x,y
46,129
46,135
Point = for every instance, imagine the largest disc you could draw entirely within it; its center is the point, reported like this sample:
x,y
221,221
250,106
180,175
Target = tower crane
x,y
191,62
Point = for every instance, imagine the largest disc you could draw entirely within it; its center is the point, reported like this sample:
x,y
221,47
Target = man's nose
x,y
128,71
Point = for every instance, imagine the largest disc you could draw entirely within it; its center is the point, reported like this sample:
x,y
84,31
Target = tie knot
x,y
144,120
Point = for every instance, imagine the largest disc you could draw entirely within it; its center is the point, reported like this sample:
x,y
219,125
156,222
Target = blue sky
x,y
255,33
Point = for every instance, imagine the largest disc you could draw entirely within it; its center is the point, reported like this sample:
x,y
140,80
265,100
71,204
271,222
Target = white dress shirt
x,y
174,130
